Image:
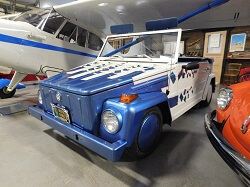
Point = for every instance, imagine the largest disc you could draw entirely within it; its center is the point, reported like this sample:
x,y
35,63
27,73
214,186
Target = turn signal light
x,y
128,98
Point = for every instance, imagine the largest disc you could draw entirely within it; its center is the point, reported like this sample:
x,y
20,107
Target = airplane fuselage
x,y
27,49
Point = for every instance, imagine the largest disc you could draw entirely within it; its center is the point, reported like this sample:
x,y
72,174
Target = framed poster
x,y
238,42
214,40
214,43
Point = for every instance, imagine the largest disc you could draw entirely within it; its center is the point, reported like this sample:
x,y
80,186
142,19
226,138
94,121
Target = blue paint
x,y
132,115
173,101
181,97
172,77
6,82
24,42
180,75
111,151
161,24
202,9
149,132
122,29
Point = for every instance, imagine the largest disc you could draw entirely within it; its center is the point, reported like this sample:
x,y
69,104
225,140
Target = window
x,y
53,23
33,17
117,43
95,42
47,20
68,33
81,37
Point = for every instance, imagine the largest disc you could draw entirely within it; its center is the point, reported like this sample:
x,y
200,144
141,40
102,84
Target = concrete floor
x,y
32,154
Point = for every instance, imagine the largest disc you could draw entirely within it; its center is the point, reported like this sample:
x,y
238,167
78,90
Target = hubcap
x,y
149,132
5,90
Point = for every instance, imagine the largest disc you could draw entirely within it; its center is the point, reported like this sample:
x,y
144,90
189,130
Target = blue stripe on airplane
x,y
20,41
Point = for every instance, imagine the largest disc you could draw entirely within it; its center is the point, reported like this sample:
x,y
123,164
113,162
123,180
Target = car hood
x,y
99,76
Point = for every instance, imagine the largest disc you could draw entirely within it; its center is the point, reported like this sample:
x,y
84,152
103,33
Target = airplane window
x,y
68,33
33,17
81,38
95,42
53,24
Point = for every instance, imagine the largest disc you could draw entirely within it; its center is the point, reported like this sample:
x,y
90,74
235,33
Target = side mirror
x,y
191,66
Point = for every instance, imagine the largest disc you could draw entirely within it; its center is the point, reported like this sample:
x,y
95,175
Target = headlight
x,y
40,100
224,98
110,121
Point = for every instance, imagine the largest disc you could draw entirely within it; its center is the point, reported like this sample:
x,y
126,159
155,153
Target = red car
x,y
228,128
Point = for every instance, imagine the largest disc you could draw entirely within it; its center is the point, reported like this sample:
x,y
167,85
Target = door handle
x,y
205,69
37,37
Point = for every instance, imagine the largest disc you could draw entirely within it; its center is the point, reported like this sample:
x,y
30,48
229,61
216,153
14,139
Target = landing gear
x,y
10,90
4,94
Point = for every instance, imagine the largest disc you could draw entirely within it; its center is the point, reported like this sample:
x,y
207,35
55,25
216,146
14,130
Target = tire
x,y
209,96
137,151
4,94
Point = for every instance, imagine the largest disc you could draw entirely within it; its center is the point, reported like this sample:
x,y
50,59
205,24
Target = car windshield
x,y
152,45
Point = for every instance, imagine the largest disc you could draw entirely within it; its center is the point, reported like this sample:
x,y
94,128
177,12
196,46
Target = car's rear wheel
x,y
209,96
148,134
4,94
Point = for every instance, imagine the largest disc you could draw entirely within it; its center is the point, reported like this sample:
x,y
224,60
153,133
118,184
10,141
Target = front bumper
x,y
231,156
111,151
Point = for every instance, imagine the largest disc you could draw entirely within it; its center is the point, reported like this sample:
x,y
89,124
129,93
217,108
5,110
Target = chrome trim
x,y
244,128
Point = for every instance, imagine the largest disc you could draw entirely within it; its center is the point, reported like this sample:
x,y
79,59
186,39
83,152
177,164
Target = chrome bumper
x,y
232,157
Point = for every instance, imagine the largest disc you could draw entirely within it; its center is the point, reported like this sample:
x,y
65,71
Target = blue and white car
x,y
121,100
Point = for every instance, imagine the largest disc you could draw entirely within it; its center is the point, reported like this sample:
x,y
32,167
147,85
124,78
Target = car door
x,y
190,84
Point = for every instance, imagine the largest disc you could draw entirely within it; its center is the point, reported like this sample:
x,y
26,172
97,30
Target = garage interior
x,y
34,154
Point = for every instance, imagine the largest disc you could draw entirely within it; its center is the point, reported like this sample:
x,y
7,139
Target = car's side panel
x,y
189,85
208,82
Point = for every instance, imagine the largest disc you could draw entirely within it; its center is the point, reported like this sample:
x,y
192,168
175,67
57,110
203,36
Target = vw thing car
x,y
122,99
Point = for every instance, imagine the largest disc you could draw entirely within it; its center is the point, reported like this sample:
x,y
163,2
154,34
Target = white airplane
x,y
49,41
43,42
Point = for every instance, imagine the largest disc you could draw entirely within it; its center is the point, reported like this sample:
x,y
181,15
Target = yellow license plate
x,y
60,113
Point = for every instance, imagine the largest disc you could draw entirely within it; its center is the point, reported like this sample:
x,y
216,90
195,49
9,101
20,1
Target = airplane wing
x,y
97,15
100,15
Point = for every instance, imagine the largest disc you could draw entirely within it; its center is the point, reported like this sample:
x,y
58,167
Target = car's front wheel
x,y
148,134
